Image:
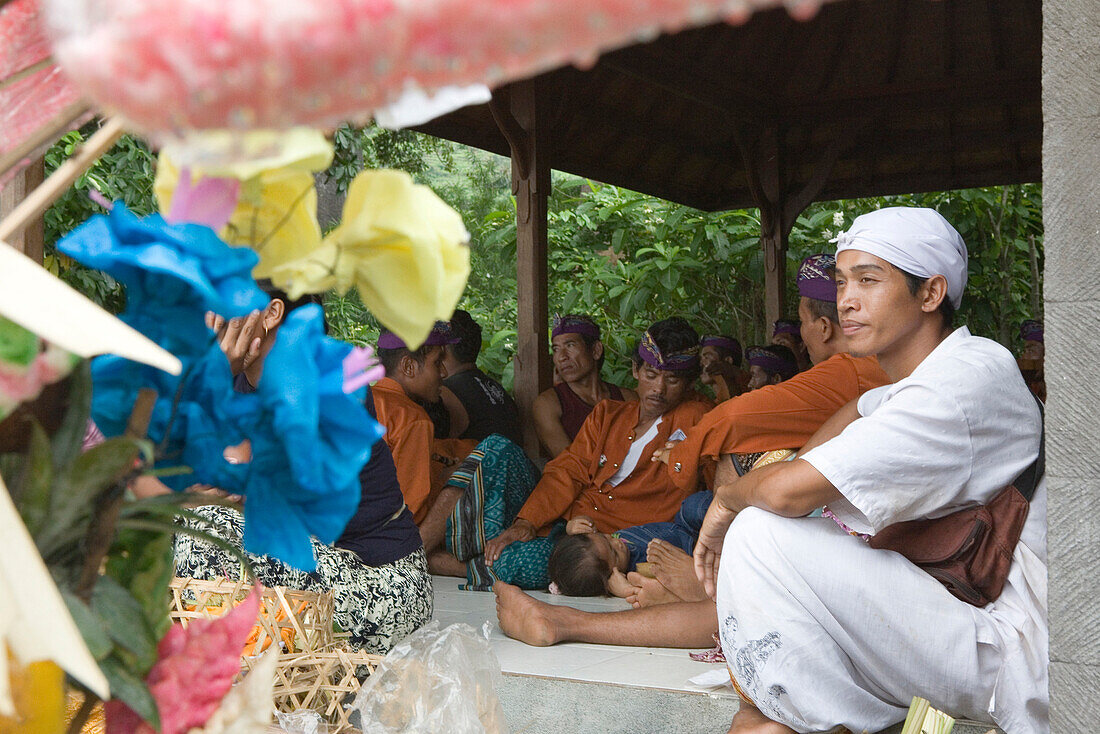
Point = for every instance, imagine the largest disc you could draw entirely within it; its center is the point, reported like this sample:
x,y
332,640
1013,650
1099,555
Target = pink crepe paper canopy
x,y
200,64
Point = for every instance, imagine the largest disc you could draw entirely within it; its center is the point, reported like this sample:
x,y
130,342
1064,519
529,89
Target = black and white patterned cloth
x,y
378,605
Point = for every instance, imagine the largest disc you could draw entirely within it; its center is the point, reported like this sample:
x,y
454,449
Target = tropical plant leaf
x,y
125,622
90,625
130,689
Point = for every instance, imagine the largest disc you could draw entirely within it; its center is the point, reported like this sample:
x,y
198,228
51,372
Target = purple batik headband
x,y
440,335
785,326
651,355
814,280
574,325
768,361
1032,331
721,342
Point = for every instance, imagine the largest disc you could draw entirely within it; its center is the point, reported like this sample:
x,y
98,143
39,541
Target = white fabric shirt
x,y
634,454
960,428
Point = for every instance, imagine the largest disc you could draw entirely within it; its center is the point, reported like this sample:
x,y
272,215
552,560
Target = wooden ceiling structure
x,y
868,98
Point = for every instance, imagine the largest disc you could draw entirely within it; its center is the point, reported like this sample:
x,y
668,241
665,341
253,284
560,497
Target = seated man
x,y
578,356
771,418
785,332
605,473
821,628
423,462
721,357
770,365
478,405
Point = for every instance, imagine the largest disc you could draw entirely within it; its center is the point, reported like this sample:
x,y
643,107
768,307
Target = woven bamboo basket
x,y
298,621
322,681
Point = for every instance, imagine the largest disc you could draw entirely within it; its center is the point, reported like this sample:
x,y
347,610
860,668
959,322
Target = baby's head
x,y
581,565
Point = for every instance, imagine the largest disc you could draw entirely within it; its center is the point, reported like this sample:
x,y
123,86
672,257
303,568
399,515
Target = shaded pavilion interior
x,y
868,98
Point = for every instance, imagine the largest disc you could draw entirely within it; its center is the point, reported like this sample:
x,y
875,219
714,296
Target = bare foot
x,y
676,570
648,592
525,618
442,563
749,720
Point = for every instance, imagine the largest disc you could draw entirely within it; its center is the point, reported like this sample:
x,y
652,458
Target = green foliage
x,y
124,173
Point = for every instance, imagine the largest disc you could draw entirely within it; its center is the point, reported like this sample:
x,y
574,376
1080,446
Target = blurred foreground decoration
x,y
162,65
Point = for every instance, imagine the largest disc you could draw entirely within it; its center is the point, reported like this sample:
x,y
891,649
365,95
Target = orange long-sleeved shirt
x,y
575,483
423,462
782,416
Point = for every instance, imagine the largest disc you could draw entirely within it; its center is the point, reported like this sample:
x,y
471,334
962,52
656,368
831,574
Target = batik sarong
x,y
378,605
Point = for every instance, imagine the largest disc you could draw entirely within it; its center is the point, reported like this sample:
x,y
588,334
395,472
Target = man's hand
x,y
663,453
520,531
708,549
580,525
239,338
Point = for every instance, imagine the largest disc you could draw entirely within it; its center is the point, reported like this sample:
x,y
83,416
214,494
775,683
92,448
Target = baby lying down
x,y
589,563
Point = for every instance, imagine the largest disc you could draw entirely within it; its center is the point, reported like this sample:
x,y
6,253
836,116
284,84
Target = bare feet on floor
x,y
676,570
525,618
648,592
749,720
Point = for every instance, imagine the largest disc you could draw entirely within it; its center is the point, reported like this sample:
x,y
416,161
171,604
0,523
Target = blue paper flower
x,y
173,273
310,440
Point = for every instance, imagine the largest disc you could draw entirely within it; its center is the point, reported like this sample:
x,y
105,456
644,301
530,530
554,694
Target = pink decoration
x,y
361,368
195,670
32,88
173,66
211,201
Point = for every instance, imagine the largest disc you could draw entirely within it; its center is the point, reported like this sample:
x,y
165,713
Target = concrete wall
x,y
1071,205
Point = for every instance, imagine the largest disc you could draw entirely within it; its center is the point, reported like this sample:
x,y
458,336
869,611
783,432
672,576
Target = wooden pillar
x,y
520,112
780,205
31,241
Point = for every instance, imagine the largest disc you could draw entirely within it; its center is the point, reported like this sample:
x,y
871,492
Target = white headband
x,y
918,241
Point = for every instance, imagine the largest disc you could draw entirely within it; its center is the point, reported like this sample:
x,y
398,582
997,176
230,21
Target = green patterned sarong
x,y
495,479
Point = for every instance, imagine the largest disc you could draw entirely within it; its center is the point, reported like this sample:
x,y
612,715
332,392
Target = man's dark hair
x,y
787,356
726,353
672,335
589,340
914,282
274,292
823,309
576,568
468,333
391,358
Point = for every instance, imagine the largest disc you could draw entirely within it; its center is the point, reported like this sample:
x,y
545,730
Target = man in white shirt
x,y
821,630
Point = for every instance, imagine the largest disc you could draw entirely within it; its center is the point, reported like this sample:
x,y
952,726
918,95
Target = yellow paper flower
x,y
401,245
276,213
38,692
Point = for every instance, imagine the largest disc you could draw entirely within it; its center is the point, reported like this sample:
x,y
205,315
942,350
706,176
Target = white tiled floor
x,y
640,667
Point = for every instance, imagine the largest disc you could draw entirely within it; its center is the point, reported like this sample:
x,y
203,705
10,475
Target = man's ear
x,y
408,366
634,369
775,379
274,313
597,351
933,293
827,328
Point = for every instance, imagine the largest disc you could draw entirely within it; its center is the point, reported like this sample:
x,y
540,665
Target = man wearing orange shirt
x,y
774,417
423,462
605,473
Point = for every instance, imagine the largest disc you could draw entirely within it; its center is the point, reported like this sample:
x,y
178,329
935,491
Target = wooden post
x,y
779,205
31,241
521,115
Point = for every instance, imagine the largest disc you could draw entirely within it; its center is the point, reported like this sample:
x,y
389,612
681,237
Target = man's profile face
x,y
428,377
573,358
707,356
659,391
877,311
811,333
758,377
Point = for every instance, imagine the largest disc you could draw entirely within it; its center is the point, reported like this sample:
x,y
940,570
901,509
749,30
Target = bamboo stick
x,y
39,200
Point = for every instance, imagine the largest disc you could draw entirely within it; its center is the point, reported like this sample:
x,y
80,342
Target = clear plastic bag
x,y
436,680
